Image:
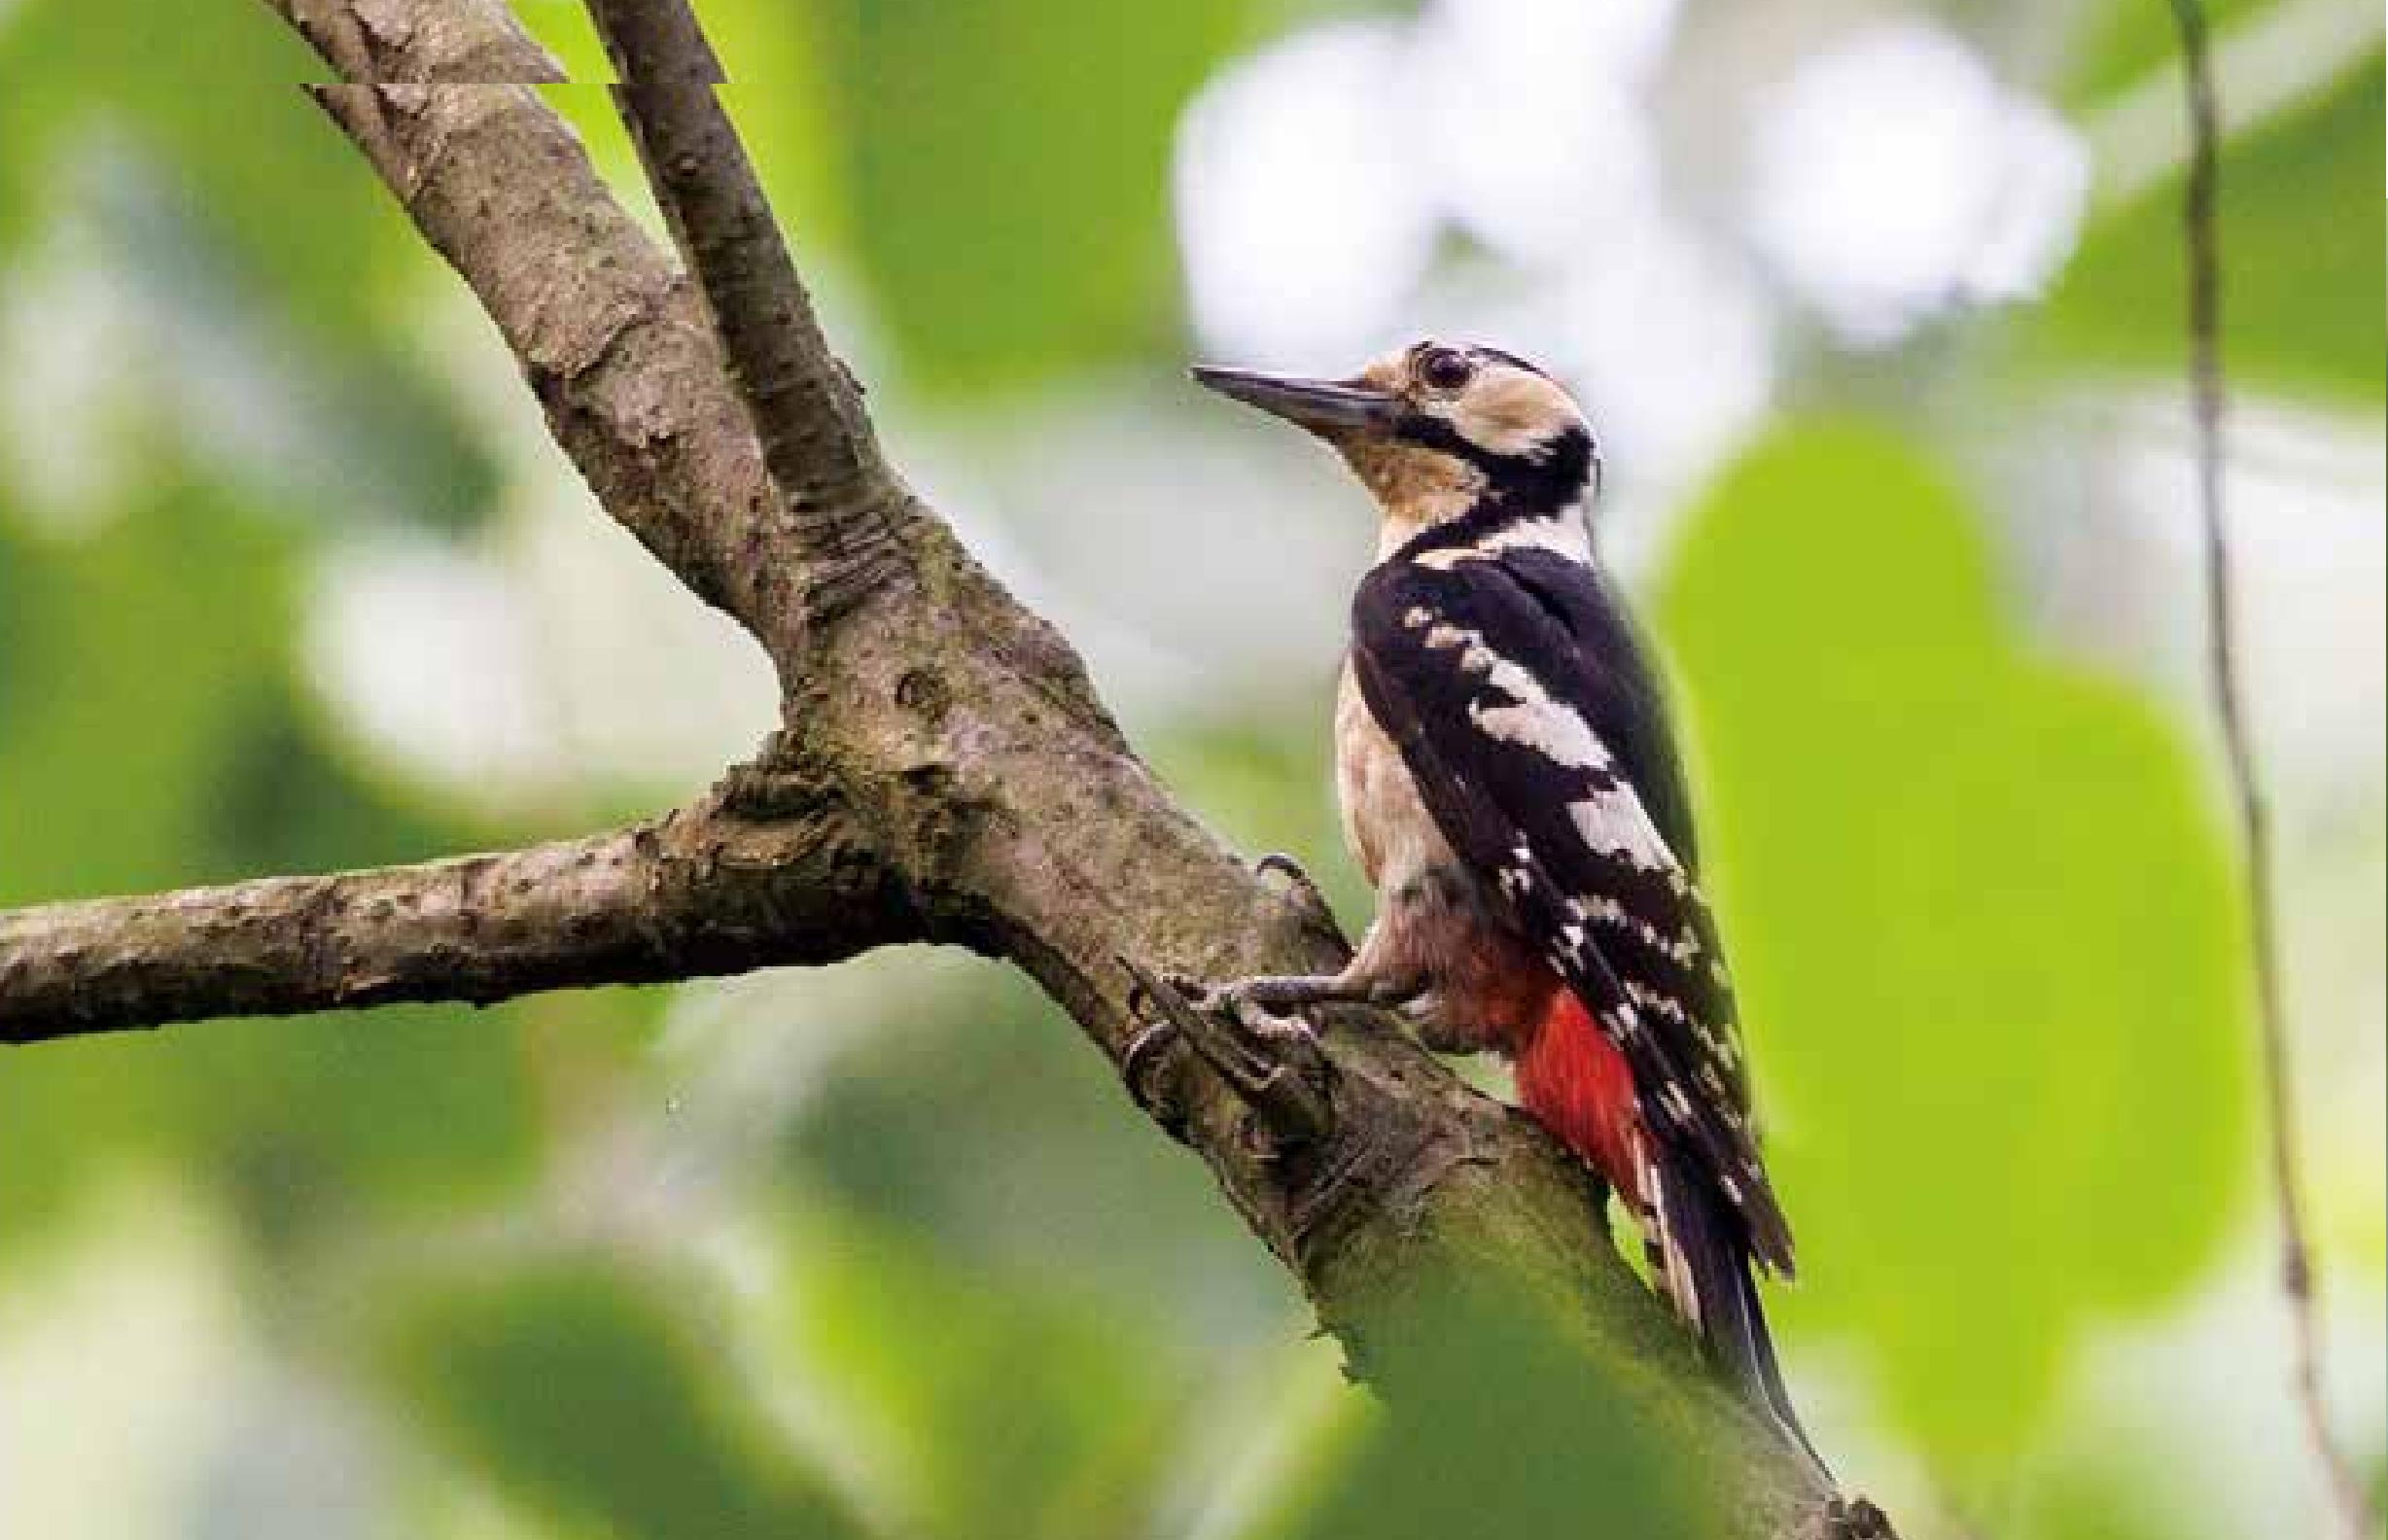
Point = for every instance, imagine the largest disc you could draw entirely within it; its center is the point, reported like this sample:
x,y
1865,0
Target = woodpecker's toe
x,y
1276,1066
1239,1001
1147,1066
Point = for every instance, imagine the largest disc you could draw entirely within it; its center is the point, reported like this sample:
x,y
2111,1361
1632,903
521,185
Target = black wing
x,y
1529,716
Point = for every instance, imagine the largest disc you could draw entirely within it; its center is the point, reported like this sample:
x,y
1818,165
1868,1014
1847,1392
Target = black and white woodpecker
x,y
1509,786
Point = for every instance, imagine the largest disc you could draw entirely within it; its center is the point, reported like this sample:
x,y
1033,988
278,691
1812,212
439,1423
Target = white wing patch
x,y
1551,728
1616,822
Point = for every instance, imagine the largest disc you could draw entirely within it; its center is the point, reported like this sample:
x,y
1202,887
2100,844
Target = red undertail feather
x,y
1577,1085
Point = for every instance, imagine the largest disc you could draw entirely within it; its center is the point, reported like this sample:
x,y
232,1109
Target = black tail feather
x,y
1707,1258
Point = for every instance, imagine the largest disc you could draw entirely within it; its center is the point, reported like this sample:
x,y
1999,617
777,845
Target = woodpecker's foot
x,y
1277,993
1268,997
1299,890
1274,1065
1142,1064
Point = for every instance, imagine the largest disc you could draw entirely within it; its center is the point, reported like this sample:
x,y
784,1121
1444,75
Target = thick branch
x,y
406,43
721,887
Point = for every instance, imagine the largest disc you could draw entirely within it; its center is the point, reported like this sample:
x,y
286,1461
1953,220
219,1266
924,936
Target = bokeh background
x,y
1876,310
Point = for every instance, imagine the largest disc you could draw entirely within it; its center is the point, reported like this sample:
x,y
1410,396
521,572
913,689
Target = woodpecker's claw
x,y
1274,1065
1301,891
1239,1002
1144,1062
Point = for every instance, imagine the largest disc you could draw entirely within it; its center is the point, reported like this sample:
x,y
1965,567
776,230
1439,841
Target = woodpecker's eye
x,y
1443,369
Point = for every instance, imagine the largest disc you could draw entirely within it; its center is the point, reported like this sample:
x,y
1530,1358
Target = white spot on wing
x,y
1532,718
1616,822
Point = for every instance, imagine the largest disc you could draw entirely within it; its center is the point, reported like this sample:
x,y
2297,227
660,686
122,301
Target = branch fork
x,y
944,769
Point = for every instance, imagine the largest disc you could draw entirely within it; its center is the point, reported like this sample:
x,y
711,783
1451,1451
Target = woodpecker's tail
x,y
1709,1275
1576,1083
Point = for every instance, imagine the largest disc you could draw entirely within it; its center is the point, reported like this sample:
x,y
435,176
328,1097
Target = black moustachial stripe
x,y
1552,475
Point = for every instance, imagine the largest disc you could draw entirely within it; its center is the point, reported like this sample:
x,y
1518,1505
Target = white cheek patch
x,y
1512,412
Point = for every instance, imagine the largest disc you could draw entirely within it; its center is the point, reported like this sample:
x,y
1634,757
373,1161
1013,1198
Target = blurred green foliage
x,y
2118,46
2302,303
569,1384
157,736
1009,165
1007,1406
1984,929
124,67
1984,935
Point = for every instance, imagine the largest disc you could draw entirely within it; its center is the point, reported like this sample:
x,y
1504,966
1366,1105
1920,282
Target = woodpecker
x,y
1509,786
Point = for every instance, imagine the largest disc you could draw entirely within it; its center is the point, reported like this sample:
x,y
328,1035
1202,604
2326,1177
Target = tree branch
x,y
2200,232
732,884
394,41
807,410
612,341
958,775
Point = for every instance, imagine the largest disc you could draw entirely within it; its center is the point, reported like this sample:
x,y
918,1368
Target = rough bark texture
x,y
944,770
757,875
817,440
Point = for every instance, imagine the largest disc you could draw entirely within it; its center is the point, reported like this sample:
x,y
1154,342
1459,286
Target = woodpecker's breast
x,y
1385,822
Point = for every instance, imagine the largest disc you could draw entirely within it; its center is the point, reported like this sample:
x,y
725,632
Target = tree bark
x,y
751,877
944,769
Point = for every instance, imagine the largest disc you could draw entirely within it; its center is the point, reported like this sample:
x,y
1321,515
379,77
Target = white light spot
x,y
1301,217
1671,347
1895,177
426,651
1531,127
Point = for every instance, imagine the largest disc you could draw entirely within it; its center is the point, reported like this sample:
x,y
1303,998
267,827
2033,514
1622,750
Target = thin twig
x,y
2297,1272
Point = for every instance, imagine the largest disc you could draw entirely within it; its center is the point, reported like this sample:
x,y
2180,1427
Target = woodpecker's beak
x,y
1319,405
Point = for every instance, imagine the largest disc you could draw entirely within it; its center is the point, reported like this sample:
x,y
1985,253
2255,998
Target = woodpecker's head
x,y
1437,431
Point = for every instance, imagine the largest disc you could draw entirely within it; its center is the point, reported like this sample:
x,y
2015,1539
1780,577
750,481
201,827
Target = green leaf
x,y
1007,167
2121,42
1987,938
2303,309
574,1391
212,91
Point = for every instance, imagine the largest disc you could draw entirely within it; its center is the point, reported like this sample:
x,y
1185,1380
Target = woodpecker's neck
x,y
1444,494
